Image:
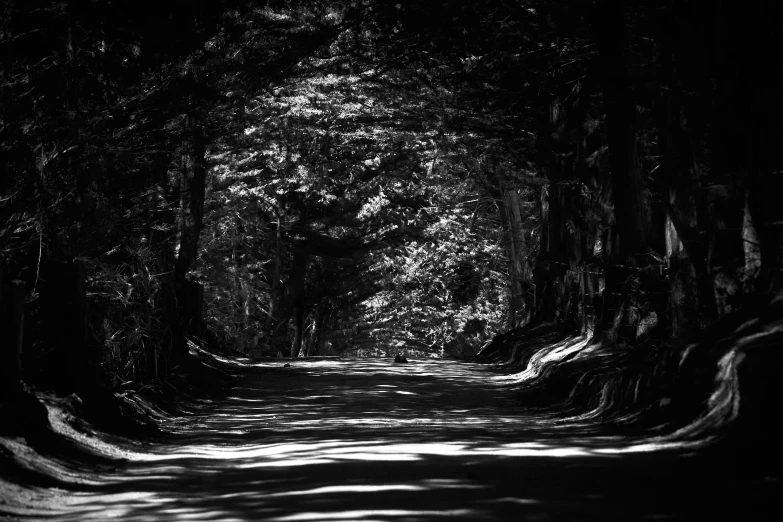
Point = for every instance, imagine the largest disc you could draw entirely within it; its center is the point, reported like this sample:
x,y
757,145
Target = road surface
x,y
368,440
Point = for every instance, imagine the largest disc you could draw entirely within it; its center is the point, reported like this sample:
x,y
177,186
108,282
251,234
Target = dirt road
x,y
365,439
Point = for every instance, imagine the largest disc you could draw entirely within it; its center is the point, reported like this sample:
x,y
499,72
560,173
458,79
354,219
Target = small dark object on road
x,y
400,359
286,365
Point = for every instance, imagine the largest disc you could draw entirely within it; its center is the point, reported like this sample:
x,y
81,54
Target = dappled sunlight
x,y
553,353
360,439
535,247
357,488
301,454
334,394
370,514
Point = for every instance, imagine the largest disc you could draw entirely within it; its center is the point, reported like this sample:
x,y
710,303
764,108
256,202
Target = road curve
x,y
367,440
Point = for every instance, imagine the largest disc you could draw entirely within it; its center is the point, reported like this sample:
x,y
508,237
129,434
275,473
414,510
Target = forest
x,y
466,180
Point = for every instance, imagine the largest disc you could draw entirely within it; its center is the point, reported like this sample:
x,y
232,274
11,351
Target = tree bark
x,y
296,346
194,176
766,169
318,332
292,298
274,287
708,159
64,308
631,206
11,336
516,251
192,196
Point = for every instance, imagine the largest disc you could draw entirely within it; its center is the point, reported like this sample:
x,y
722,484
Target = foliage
x,y
343,158
443,295
370,176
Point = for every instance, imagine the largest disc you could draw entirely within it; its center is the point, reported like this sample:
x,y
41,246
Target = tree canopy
x,y
373,177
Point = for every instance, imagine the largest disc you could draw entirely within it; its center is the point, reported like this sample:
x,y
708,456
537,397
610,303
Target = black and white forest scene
x,y
391,261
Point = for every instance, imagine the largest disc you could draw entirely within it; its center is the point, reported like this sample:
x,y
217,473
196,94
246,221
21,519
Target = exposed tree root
x,y
720,385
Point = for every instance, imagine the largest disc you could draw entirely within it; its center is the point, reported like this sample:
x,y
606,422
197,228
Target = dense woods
x,y
309,178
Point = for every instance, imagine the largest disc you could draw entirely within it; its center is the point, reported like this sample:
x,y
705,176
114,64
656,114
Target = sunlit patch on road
x,y
353,439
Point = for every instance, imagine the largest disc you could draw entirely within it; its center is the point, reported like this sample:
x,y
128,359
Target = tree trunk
x,y
707,157
292,297
766,169
324,330
296,346
631,206
194,176
235,258
274,287
516,251
11,335
683,243
64,312
317,332
193,182
193,303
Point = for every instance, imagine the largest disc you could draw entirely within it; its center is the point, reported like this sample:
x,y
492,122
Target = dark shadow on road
x,y
348,439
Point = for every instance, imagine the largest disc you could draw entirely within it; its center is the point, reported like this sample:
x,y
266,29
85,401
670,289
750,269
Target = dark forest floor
x,y
364,439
